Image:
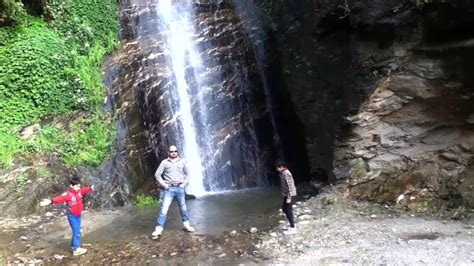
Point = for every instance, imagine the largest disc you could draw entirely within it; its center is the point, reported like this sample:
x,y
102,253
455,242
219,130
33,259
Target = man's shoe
x,y
79,251
158,231
290,231
188,228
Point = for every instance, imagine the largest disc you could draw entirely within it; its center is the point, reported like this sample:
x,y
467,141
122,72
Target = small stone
x,y
23,237
58,257
173,253
253,230
373,216
233,233
273,234
305,217
222,255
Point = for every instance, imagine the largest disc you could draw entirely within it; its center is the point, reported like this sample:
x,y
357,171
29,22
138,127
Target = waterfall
x,y
188,76
178,31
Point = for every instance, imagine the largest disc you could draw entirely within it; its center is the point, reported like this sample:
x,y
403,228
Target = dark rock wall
x,y
385,92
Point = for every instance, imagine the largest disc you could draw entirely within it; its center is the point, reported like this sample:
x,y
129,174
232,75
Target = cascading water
x,y
177,31
216,106
188,75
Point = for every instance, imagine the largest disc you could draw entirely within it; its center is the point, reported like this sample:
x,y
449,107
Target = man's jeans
x,y
167,198
75,223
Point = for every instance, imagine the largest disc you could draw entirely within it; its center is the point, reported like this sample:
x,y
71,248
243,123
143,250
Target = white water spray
x,y
182,53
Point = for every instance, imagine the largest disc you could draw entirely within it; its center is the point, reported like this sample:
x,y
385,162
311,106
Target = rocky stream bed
x,y
331,230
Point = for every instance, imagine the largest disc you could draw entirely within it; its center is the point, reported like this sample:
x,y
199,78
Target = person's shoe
x,y
290,231
158,231
79,251
188,228
286,227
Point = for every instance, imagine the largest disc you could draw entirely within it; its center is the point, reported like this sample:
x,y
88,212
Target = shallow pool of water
x,y
210,215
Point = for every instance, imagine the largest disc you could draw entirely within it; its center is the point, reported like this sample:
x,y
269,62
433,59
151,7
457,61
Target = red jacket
x,y
73,200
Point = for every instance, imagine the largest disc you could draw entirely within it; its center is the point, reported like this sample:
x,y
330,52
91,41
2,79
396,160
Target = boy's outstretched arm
x,y
56,200
86,190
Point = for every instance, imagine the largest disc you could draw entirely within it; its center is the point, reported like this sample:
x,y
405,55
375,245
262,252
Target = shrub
x,y
20,182
11,12
54,68
9,146
146,200
84,22
37,76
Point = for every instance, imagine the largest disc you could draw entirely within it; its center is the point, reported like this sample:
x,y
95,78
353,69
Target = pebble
x,y
58,257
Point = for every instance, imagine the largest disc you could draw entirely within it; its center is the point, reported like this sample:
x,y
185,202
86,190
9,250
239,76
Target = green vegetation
x,y
144,200
20,182
37,76
270,11
11,12
51,69
43,172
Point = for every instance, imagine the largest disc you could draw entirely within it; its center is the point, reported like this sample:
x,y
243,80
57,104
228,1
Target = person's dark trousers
x,y
75,223
288,210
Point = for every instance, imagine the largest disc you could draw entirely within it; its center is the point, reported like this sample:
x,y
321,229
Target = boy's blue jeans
x,y
167,198
75,223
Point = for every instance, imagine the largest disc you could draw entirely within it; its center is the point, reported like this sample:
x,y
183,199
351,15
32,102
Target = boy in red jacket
x,y
73,199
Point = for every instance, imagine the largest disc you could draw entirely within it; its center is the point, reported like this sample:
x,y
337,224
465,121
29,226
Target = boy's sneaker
x,y
286,227
290,231
158,231
188,228
79,251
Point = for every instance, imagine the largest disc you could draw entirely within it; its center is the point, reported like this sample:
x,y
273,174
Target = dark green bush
x,y
11,12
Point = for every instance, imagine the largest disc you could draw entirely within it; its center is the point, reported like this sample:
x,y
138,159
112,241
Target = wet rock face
x,y
237,138
386,95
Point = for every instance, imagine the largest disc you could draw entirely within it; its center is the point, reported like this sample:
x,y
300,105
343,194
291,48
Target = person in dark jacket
x,y
73,199
288,191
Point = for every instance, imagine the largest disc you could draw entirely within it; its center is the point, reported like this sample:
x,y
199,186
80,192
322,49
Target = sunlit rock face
x,y
385,92
235,137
